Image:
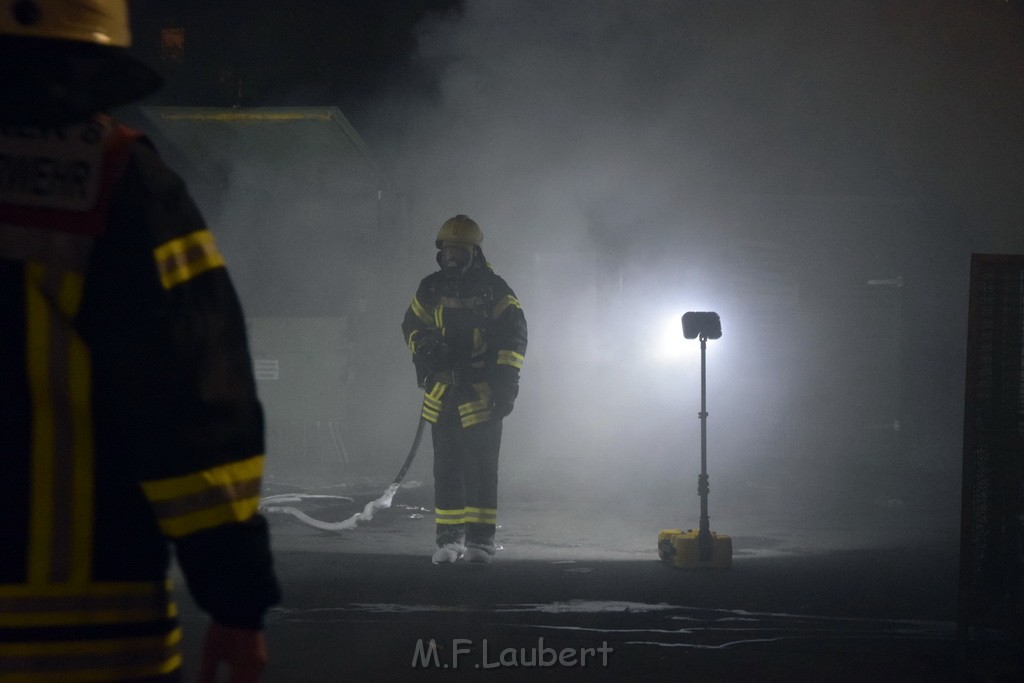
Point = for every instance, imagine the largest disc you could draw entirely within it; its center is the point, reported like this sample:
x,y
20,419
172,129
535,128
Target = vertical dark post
x,y
704,541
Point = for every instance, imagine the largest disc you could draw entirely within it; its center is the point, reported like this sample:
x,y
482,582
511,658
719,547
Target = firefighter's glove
x,y
432,352
503,399
501,409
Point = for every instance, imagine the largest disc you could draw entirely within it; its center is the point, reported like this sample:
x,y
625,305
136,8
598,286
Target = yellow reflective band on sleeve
x,y
511,358
481,515
432,402
476,418
220,495
506,301
450,516
475,412
420,312
184,258
412,340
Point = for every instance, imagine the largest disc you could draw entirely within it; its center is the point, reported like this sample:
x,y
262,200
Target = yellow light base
x,y
680,549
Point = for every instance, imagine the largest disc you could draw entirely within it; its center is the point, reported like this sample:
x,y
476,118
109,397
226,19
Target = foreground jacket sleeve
x,y
203,468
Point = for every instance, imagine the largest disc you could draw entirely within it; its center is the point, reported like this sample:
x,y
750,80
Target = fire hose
x,y
273,503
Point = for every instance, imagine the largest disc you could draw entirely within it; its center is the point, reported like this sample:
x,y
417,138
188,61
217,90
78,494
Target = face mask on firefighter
x,y
455,257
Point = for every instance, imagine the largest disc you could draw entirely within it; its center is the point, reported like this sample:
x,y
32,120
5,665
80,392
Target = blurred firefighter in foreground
x,y
128,410
467,334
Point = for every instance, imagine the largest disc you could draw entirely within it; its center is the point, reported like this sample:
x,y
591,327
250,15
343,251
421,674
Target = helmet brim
x,y
55,81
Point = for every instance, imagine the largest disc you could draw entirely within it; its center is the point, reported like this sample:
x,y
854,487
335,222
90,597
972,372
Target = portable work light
x,y
703,548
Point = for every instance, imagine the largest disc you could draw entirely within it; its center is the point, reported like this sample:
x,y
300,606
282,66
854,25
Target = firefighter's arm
x,y
509,336
206,498
204,474
429,353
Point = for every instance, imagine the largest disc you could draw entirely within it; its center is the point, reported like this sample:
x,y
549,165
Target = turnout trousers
x,y
465,479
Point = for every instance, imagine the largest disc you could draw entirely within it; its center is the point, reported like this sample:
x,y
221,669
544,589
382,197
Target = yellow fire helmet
x,y
102,22
461,229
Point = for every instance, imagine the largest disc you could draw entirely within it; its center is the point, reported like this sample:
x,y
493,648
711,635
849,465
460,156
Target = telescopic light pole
x,y
705,544
703,326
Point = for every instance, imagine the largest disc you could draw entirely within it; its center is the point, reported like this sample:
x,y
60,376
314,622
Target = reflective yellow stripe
x,y
476,418
450,516
82,467
184,258
506,301
59,376
482,515
219,476
61,648
483,391
479,346
237,511
65,604
43,423
511,358
432,402
420,312
475,412
219,495
101,660
120,673
22,591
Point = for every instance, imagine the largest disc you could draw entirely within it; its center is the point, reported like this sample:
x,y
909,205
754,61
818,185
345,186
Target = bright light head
x,y
705,324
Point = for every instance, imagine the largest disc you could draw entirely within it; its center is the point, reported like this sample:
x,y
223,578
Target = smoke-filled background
x,y
816,173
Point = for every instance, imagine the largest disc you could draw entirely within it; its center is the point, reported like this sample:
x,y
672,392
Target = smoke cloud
x,y
817,174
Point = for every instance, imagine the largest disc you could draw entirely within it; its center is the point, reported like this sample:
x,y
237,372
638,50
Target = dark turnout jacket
x,y
482,328
128,412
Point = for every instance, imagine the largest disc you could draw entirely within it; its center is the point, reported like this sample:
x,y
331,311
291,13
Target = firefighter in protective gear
x,y
467,333
128,409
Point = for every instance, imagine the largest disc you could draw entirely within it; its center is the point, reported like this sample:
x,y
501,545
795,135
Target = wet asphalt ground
x,y
582,598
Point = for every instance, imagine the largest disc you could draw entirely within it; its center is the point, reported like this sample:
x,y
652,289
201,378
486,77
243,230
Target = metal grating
x,y
992,506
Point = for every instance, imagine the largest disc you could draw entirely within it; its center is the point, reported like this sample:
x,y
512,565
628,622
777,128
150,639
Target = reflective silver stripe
x,y
64,251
